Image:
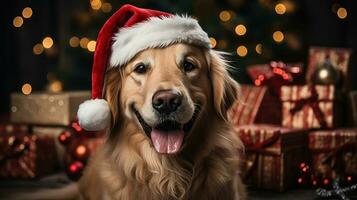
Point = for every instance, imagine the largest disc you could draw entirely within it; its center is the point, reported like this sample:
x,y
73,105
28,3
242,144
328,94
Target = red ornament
x,y
75,125
81,152
65,137
75,170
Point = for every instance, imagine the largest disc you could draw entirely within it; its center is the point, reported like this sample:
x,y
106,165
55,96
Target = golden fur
x,y
128,167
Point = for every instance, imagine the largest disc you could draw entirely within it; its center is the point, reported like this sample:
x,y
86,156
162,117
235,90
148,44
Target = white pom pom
x,y
94,115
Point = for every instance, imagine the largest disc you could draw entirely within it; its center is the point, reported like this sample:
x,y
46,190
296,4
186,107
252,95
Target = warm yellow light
x,y
26,89
37,49
213,42
342,13
27,12
56,86
225,15
258,48
106,7
47,42
242,51
240,29
83,42
74,41
91,45
278,36
96,4
280,9
18,21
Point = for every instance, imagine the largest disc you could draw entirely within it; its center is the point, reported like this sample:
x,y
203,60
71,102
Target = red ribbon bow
x,y
311,101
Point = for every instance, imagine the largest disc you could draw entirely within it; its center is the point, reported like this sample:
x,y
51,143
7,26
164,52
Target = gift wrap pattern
x,y
339,145
272,155
307,116
46,108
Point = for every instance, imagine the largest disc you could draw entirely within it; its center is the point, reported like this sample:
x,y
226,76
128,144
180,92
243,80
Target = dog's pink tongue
x,y
167,141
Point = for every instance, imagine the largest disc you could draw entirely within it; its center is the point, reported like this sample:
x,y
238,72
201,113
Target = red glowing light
x,y
314,182
76,127
257,82
261,77
299,180
349,178
326,181
302,165
81,150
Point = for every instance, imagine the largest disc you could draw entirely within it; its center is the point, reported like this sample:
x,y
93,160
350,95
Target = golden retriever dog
x,y
169,136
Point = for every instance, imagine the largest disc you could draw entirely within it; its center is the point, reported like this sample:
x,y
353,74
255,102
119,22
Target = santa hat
x,y
126,33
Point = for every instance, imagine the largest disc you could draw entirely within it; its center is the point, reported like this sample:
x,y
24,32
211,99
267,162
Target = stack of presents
x,y
297,124
44,137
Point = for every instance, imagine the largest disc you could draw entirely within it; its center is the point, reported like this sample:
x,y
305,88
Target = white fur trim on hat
x,y
94,115
153,33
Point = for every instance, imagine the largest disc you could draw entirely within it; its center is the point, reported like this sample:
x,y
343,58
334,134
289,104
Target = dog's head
x,y
166,91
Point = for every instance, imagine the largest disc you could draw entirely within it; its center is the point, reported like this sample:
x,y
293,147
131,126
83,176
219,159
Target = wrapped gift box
x,y
334,152
339,58
46,108
256,105
52,132
272,155
310,106
23,155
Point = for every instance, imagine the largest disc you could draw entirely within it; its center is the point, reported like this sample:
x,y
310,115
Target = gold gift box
x,y
46,108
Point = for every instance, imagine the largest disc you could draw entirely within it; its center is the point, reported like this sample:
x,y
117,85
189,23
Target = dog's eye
x,y
188,66
140,69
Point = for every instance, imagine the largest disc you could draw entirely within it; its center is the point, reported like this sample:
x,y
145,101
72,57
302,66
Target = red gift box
x,y
310,106
273,154
334,152
256,105
26,156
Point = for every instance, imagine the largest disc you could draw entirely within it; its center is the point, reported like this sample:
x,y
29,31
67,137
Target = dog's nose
x,y
166,101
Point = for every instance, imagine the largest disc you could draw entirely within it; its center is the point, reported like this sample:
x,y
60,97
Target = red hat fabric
x,y
127,32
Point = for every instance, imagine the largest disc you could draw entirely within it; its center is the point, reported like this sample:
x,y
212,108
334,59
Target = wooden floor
x,y
12,190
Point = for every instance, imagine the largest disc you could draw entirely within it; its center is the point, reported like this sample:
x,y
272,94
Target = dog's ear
x,y
112,88
225,89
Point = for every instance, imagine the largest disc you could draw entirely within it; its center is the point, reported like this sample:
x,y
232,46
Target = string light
x,y
225,16
342,13
258,48
84,42
37,49
18,22
240,29
96,4
91,45
242,51
106,7
27,12
278,36
47,42
56,86
81,150
74,41
26,89
280,9
213,42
